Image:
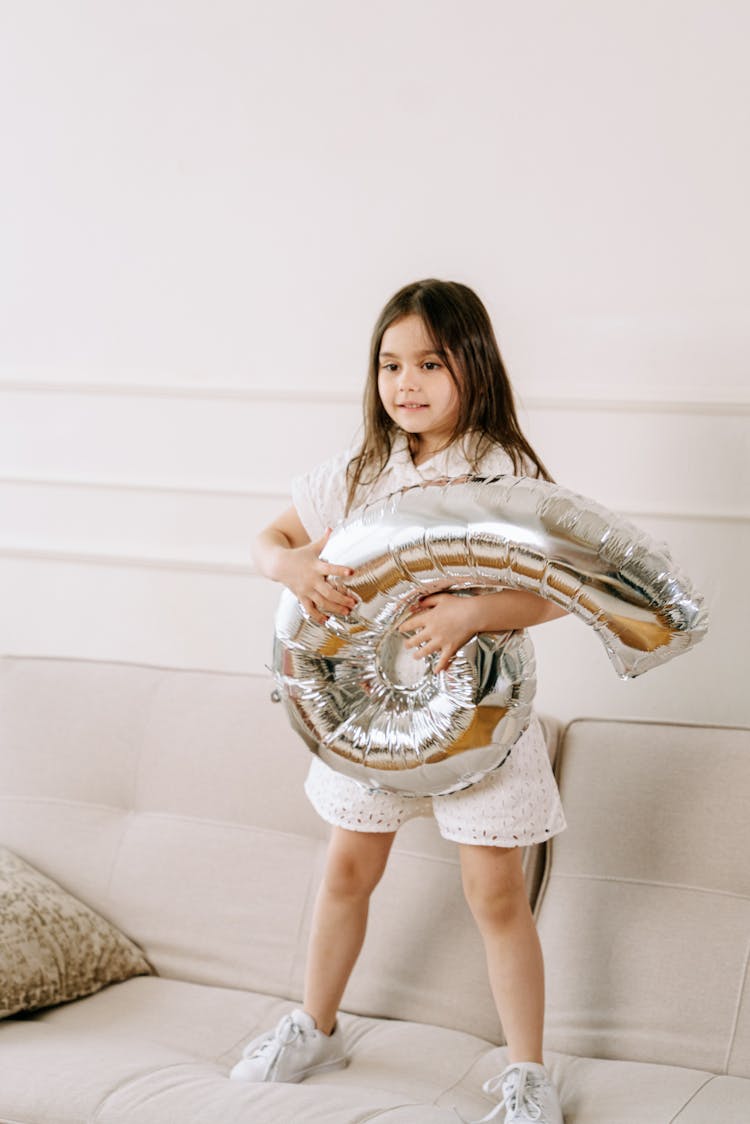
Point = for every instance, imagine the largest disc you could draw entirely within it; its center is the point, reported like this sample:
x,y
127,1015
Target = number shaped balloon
x,y
370,710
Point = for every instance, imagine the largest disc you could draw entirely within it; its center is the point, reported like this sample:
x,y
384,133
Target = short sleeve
x,y
319,496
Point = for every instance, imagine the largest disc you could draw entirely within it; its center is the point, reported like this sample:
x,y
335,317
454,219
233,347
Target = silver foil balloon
x,y
370,710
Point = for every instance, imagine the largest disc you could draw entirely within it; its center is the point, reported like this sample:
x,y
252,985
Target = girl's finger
x,y
335,571
312,611
446,654
320,543
427,649
334,610
331,584
423,640
330,595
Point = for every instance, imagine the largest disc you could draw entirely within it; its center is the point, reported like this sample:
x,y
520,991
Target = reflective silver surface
x,y
368,709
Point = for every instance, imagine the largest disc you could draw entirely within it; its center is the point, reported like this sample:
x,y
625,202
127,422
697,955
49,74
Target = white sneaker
x,y
291,1052
529,1097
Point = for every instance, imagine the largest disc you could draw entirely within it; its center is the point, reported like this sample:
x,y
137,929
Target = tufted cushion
x,y
644,913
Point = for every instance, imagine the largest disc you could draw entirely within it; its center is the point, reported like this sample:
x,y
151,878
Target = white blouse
x,y
319,496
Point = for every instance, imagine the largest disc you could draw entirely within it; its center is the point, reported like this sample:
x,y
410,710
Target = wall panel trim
x,y
349,397
33,553
282,496
94,484
129,561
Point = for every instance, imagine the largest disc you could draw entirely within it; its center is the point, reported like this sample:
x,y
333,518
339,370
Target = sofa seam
x,y
132,810
548,848
21,798
34,658
544,881
737,1009
621,880
412,854
131,1080
382,1111
691,1098
586,719
246,1037
203,821
314,881
455,1084
155,691
236,825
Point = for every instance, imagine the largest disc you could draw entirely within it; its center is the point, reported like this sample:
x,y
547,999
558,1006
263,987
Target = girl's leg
x,y
496,892
354,865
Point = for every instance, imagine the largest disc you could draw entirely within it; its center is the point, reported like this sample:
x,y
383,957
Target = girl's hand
x,y
444,622
305,574
441,623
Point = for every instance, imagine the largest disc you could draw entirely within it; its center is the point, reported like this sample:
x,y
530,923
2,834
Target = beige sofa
x,y
171,802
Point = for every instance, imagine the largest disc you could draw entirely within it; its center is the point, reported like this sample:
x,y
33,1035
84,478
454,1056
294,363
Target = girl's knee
x,y
495,888
355,862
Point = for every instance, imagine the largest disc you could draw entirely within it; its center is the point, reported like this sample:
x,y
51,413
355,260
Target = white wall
x,y
206,206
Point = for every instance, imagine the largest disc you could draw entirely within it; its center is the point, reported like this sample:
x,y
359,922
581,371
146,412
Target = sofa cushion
x,y
163,1050
603,1091
644,913
155,1050
53,948
172,802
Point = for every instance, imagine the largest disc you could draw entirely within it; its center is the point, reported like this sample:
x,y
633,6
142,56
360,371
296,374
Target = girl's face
x,y
415,386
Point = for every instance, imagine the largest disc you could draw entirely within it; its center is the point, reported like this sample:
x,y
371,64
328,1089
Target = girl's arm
x,y
443,623
513,608
283,552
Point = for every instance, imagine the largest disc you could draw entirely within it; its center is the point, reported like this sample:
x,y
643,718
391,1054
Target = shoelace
x,y
519,1096
286,1032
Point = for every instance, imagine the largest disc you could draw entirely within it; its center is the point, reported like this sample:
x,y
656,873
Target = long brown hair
x,y
459,327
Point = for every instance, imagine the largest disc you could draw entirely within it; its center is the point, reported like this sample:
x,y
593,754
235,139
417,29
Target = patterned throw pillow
x,y
53,947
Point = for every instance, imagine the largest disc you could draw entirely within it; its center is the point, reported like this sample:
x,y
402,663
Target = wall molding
x,y
180,390
163,486
129,561
282,496
323,396
701,407
31,553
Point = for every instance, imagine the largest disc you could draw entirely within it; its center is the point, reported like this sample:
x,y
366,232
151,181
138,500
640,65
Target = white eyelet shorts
x,y
514,806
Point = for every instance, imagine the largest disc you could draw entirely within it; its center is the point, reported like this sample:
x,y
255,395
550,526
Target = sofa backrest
x,y
171,801
644,912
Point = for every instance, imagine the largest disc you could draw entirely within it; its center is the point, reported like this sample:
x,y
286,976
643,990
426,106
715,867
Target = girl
x,y
438,402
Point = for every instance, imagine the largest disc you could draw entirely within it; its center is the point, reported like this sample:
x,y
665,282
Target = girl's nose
x,y
409,378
